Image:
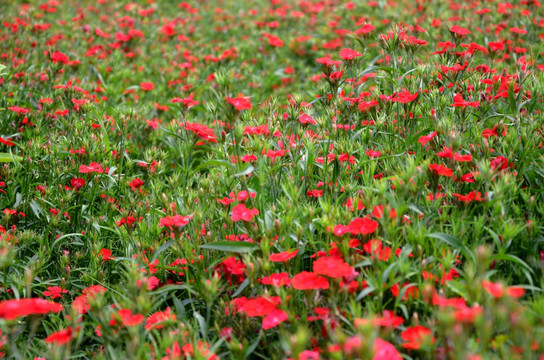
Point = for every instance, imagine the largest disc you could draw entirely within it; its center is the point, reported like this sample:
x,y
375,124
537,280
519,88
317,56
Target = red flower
x,y
239,103
375,248
283,256
462,158
499,163
60,337
306,119
494,132
365,29
277,280
242,195
188,102
459,102
326,61
19,110
410,291
467,315
274,318
12,309
225,201
241,212
388,319
516,30
82,303
441,170
332,267
156,320
176,220
404,97
6,142
378,212
232,268
309,281
497,290
275,153
147,86
495,46
349,54
55,292
125,318
308,355
77,183
249,158
425,139
471,196
58,57
415,336
105,254
275,41
373,154
457,303
93,167
136,184
457,30
259,306
445,154
362,226
384,350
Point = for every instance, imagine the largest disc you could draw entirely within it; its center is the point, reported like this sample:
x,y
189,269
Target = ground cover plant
x,y
284,179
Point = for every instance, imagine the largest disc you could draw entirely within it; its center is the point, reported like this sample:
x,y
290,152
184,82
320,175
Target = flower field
x,y
283,179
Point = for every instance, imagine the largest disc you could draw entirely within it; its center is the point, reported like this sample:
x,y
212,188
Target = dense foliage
x,y
303,179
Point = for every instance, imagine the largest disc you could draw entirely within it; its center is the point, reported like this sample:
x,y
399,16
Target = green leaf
x,y
253,346
458,287
231,246
168,288
453,242
245,172
514,259
7,158
162,248
214,164
365,293
203,326
241,288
